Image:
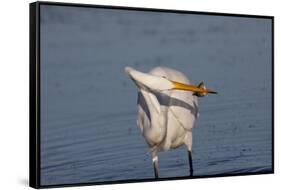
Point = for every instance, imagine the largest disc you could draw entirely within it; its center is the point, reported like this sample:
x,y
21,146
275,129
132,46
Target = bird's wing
x,y
184,108
182,104
143,116
143,113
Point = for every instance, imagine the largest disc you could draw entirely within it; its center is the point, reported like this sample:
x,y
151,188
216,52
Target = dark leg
x,y
155,163
155,167
190,163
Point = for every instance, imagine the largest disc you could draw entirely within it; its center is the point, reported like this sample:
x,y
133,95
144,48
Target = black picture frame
x,y
34,91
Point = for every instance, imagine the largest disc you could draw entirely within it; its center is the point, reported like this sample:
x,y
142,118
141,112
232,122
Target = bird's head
x,y
148,81
158,83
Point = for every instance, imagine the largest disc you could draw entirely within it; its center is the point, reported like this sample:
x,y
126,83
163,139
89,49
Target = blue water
x,y
88,104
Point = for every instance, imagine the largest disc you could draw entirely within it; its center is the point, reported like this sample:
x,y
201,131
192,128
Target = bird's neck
x,y
152,102
157,117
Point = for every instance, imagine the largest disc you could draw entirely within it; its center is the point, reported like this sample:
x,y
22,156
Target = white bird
x,y
167,109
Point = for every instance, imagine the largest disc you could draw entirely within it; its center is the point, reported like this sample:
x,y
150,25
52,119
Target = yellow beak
x,y
195,89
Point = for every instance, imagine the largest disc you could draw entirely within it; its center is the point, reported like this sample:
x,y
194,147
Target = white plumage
x,y
165,113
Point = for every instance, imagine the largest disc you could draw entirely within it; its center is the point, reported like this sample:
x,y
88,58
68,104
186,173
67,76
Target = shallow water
x,y
88,104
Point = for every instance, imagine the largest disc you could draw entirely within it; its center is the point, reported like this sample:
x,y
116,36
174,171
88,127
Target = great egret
x,y
167,109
